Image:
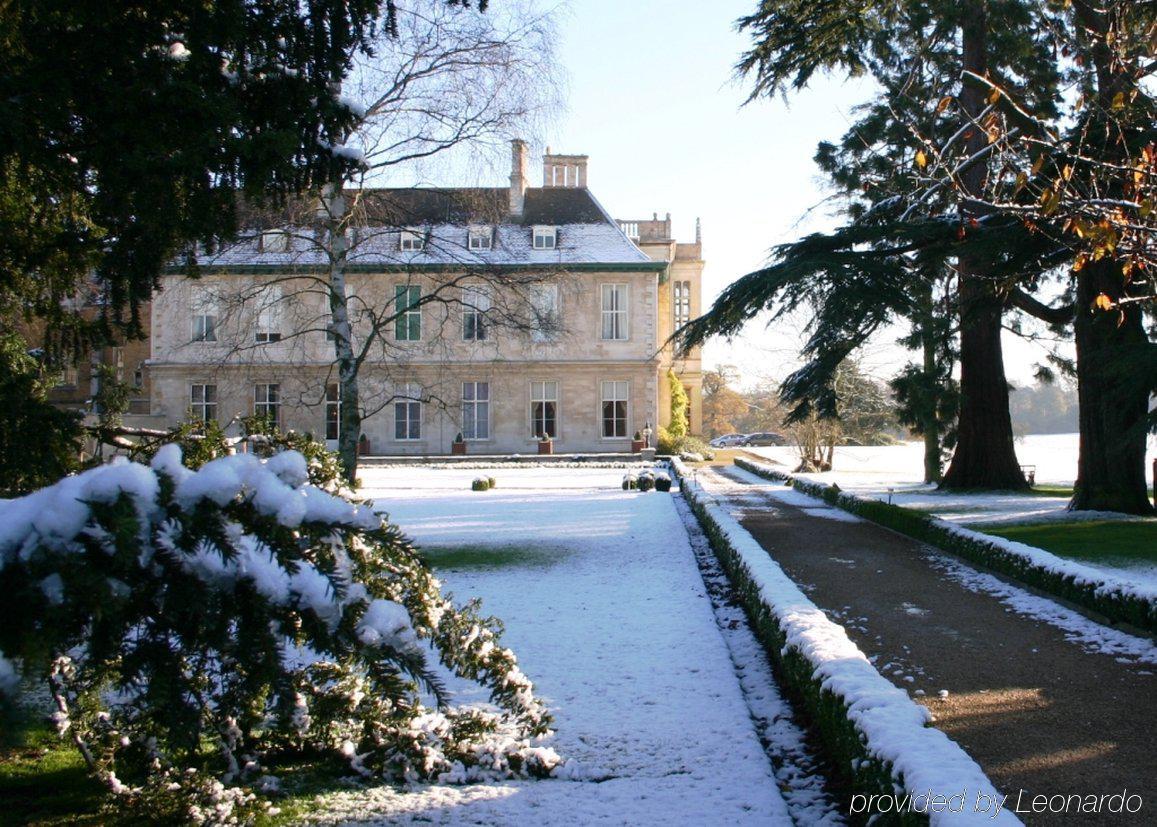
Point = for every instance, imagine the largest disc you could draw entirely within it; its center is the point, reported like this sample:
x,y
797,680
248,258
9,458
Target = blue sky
x,y
654,102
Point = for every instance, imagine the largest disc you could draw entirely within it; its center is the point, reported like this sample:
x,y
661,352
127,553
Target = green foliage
x,y
200,628
325,468
39,443
242,115
111,401
480,484
1044,408
199,442
667,443
680,406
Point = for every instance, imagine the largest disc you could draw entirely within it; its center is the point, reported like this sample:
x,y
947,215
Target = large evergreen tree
x,y
131,130
886,262
1080,188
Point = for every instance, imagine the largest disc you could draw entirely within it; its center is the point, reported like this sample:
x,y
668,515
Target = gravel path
x,y
1046,701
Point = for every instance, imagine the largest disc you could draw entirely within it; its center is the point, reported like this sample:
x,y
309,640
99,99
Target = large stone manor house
x,y
501,314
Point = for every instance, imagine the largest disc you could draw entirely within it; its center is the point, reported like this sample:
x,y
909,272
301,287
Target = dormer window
x,y
545,238
274,241
480,238
413,240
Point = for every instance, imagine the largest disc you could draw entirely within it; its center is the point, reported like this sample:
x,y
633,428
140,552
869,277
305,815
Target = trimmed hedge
x,y
1100,597
855,769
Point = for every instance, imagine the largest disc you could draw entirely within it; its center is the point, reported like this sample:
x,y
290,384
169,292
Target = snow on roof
x,y
587,234
445,244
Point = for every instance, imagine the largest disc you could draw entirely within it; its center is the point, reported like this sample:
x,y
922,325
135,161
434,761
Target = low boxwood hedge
x,y
854,768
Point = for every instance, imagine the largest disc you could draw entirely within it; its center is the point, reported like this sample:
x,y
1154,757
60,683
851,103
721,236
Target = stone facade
x,y
129,360
596,376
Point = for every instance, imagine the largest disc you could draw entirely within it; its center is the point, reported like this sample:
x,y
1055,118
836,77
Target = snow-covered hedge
x,y
877,738
576,462
197,627
1117,599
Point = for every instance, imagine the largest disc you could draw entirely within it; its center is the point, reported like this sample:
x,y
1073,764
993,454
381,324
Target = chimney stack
x,y
517,177
564,170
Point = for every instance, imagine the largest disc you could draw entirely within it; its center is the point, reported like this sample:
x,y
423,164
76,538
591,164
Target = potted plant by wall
x,y
545,444
638,443
459,444
363,446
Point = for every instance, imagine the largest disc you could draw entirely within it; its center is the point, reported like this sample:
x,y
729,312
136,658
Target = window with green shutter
x,y
408,323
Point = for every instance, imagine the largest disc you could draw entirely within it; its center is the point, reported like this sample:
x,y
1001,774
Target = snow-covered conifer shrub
x,y
630,482
646,481
480,484
198,628
492,482
662,481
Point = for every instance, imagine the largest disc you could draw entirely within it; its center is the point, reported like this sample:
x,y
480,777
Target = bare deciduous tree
x,y
450,82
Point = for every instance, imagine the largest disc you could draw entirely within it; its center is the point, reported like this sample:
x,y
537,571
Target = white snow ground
x,y
612,623
870,471
867,468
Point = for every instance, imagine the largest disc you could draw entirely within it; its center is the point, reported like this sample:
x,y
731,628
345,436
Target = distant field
x,y
1094,540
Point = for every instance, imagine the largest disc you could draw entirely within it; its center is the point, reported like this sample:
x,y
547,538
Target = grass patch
x,y
488,557
1052,490
1092,540
43,780
935,508
44,783
304,787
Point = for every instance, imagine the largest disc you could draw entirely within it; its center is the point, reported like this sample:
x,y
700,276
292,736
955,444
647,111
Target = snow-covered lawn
x,y
867,469
894,473
612,623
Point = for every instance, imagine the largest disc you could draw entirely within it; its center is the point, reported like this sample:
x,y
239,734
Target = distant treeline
x,y
1044,409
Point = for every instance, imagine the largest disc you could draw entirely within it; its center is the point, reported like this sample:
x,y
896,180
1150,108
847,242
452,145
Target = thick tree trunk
x,y
1114,397
931,454
931,425
1112,345
985,456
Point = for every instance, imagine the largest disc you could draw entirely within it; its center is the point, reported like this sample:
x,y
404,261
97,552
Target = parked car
x,y
764,438
727,440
